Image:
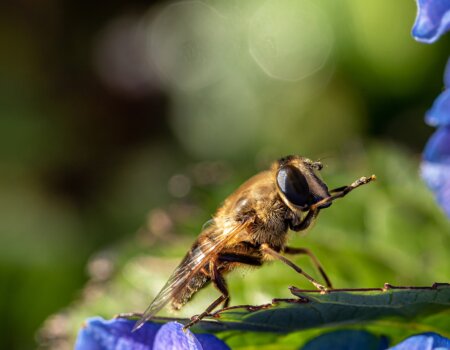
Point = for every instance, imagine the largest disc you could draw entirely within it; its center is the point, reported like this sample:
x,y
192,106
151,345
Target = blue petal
x,y
425,341
439,114
437,178
437,149
172,337
211,342
435,169
98,334
433,20
434,175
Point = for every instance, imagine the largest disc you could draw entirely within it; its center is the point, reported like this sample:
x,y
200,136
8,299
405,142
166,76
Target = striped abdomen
x,y
199,279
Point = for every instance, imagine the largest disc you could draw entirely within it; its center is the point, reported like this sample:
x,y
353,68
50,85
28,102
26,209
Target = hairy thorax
x,y
258,202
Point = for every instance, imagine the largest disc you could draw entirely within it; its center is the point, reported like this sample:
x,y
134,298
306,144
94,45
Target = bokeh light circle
x,y
289,39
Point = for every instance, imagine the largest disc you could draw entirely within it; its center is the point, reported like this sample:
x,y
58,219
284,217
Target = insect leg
x,y
296,225
221,285
342,191
266,249
339,189
239,258
316,262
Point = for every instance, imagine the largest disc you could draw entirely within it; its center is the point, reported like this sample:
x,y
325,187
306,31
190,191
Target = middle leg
x,y
315,261
266,249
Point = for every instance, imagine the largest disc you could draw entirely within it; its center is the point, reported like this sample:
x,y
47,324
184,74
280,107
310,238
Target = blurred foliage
x,y
133,114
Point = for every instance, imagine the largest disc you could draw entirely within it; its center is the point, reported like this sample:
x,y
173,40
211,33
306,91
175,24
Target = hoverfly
x,y
251,228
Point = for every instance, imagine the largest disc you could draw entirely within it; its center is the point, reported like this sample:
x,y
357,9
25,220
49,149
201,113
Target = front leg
x,y
295,224
343,191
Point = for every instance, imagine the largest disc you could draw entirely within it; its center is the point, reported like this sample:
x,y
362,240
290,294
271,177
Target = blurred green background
x,y
124,124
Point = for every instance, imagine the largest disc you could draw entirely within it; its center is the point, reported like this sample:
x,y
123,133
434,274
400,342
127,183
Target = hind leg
x,y
219,282
238,258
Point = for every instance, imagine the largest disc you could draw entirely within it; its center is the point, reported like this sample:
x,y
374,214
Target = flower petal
x,y
425,341
433,20
435,169
99,334
439,114
172,337
437,177
437,149
211,342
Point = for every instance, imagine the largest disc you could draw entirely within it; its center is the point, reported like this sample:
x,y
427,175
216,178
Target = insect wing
x,y
184,272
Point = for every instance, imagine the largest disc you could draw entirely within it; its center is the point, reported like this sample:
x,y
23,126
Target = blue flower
x,y
433,20
425,341
435,168
99,334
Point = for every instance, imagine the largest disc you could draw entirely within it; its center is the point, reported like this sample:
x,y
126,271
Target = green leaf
x,y
339,307
393,312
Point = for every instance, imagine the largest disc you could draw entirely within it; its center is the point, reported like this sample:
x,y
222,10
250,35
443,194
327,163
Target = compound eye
x,y
293,185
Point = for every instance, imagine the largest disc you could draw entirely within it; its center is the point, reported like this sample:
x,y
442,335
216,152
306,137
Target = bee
x,y
250,228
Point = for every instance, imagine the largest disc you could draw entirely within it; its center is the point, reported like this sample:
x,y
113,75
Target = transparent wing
x,y
189,267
